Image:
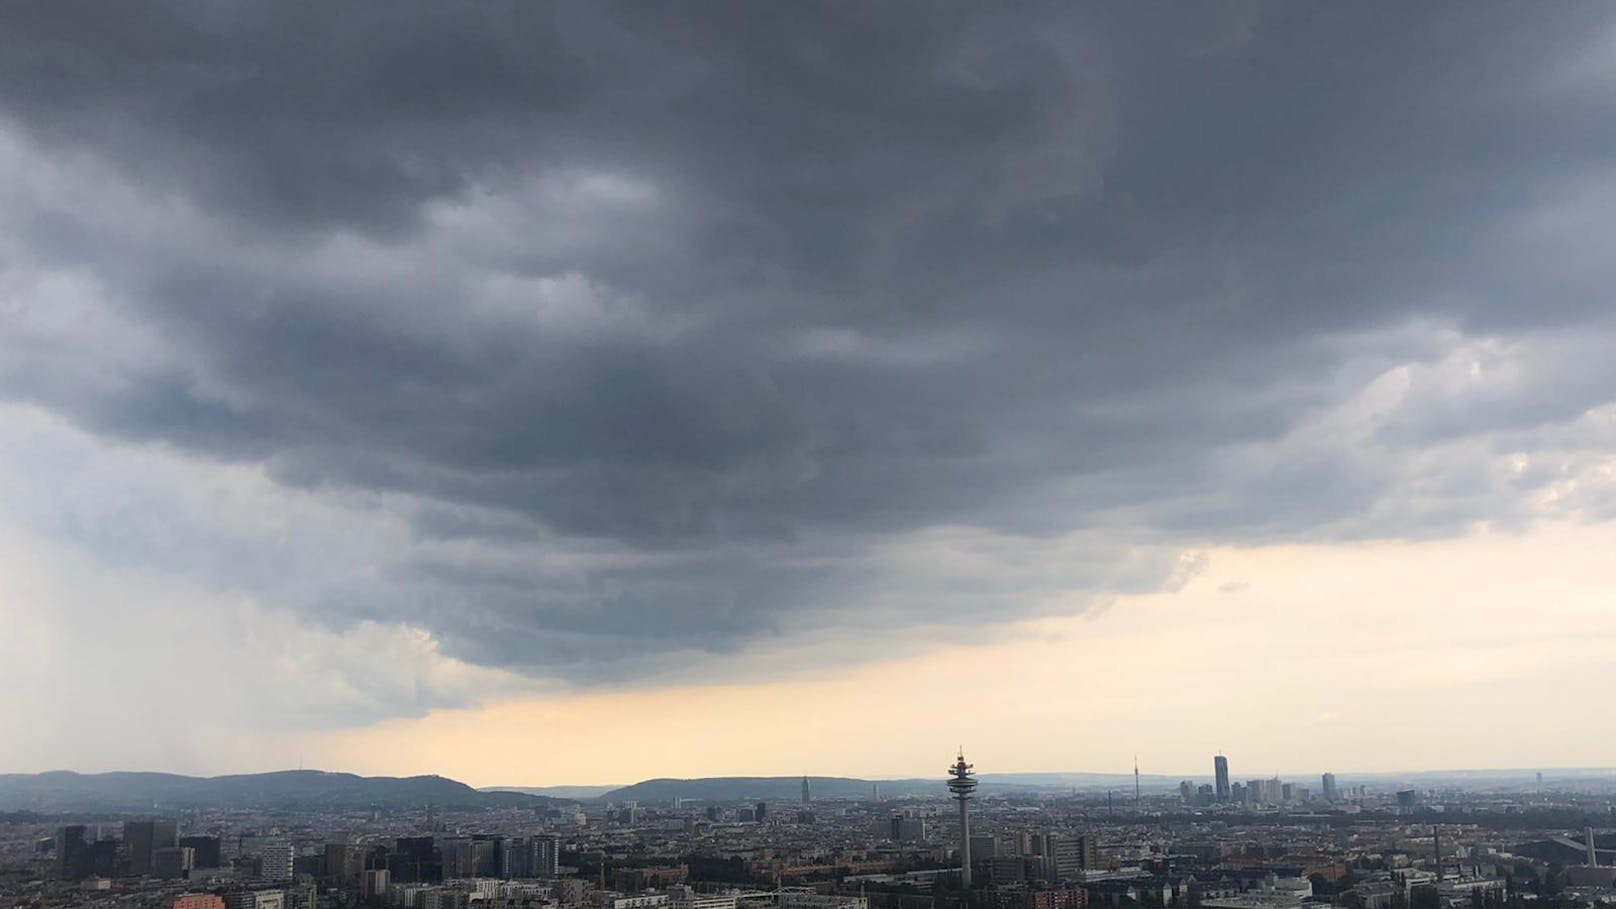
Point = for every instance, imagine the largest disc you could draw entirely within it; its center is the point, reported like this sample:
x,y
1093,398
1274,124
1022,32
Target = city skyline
x,y
534,392
1086,780
1289,848
831,454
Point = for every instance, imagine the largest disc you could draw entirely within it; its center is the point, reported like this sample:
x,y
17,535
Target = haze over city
x,y
564,393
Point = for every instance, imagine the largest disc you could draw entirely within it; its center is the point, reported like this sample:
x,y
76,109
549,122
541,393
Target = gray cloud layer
x,y
696,327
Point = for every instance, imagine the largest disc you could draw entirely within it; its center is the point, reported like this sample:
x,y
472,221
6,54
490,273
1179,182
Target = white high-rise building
x,y
272,856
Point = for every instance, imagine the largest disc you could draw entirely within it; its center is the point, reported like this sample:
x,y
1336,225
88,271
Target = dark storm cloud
x,y
730,301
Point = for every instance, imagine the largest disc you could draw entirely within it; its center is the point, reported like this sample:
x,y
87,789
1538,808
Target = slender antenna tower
x,y
1136,781
962,783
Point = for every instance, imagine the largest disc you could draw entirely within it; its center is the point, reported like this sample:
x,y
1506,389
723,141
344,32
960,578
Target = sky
x,y
586,392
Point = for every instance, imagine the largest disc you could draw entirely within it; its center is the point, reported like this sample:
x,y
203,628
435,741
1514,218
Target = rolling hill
x,y
288,789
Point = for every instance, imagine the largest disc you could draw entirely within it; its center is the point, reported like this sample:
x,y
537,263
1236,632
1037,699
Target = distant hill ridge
x,y
789,788
290,789
560,792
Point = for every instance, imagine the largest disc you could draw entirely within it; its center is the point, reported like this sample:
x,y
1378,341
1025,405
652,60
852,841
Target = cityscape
x,y
807,454
1455,841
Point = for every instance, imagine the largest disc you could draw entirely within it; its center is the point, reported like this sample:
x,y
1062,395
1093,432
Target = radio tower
x,y
962,783
1136,782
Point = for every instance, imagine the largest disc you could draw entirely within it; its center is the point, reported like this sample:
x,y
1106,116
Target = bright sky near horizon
x,y
1415,657
572,393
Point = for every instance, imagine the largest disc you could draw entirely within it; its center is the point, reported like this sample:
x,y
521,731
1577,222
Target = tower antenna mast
x,y
962,783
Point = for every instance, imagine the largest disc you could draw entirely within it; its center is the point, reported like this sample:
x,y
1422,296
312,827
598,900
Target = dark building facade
x,y
204,850
142,837
415,860
74,861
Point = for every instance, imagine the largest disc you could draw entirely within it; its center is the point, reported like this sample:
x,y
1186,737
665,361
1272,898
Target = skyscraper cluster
x,y
1258,792
147,848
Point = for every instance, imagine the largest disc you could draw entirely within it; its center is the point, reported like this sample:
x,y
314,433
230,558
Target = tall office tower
x,y
374,885
1063,857
907,828
1256,792
459,858
73,857
170,862
807,794
345,862
271,856
546,857
416,860
137,836
1220,769
1331,794
1088,850
205,850
485,852
142,837
962,783
106,858
761,812
165,834
1186,791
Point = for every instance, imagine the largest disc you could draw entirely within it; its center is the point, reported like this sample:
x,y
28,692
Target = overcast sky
x,y
552,379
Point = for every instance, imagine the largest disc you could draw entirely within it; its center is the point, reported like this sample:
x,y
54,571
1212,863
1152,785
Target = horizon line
x,y
1129,773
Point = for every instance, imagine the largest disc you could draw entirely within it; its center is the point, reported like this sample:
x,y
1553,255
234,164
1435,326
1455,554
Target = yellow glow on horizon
x,y
1477,652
